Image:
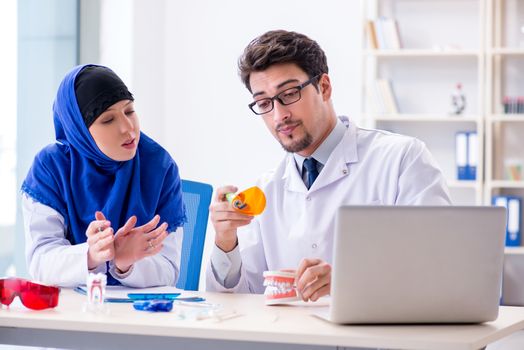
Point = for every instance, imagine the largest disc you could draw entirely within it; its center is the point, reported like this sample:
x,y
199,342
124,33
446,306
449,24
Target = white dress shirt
x,y
365,167
53,260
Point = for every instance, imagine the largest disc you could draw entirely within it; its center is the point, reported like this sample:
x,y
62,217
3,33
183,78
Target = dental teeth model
x,y
280,287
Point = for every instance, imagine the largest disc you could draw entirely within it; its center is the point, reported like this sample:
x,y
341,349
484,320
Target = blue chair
x,y
196,196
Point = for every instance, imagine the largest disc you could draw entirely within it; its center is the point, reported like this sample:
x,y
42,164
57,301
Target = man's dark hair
x,y
280,46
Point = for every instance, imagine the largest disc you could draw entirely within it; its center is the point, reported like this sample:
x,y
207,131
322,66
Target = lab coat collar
x,y
336,167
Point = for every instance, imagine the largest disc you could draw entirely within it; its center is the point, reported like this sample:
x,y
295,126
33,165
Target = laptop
x,y
416,264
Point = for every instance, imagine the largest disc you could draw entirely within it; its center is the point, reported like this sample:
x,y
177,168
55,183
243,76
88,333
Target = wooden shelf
x,y
464,184
427,118
505,184
506,118
506,51
514,250
423,53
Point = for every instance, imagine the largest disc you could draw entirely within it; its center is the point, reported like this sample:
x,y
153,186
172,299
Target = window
x,y
8,91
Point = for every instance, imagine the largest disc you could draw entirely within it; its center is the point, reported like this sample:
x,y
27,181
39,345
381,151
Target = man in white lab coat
x,y
329,162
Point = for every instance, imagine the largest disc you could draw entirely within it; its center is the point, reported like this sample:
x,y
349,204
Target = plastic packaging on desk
x,y
251,201
154,305
203,311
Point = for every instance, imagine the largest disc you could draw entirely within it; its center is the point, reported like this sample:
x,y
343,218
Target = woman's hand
x,y
135,243
100,240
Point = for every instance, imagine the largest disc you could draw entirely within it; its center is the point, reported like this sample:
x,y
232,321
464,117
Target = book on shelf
x,y
383,33
466,155
513,205
381,97
371,35
397,36
374,100
513,104
513,170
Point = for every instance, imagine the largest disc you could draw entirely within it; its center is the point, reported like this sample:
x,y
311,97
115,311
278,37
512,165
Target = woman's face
x,y
117,131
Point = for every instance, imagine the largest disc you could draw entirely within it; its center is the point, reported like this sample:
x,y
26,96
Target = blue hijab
x,y
76,179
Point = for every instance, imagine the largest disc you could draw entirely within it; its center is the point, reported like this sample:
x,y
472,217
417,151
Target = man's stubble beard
x,y
297,145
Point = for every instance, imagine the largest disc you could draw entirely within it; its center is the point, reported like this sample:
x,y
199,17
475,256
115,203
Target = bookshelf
x,y
504,77
505,122
423,72
479,43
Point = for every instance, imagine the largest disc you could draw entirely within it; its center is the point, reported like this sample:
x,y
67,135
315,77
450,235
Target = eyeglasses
x,y
286,97
33,295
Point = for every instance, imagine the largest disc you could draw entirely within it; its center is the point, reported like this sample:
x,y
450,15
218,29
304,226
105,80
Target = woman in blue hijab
x,y
94,200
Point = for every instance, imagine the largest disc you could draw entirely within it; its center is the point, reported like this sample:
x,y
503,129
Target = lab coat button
x,y
314,246
344,171
308,198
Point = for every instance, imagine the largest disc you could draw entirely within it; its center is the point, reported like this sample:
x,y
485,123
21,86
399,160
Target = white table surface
x,y
68,326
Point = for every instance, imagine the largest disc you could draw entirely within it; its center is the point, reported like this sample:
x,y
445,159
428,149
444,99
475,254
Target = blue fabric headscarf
x,y
76,179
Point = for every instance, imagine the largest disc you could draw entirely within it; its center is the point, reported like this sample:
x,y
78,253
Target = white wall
x,y
210,130
182,70
116,37
184,75
179,59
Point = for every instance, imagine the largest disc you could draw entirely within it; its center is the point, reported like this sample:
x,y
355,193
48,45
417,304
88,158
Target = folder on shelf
x,y
473,155
461,155
466,155
513,228
513,205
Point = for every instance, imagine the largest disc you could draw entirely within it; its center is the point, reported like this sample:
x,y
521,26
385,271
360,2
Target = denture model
x,y
280,287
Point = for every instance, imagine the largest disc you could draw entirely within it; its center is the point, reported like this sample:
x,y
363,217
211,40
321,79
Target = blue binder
x,y
466,155
471,168
461,155
513,205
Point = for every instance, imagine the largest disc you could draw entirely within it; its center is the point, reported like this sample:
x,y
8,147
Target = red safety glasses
x,y
33,295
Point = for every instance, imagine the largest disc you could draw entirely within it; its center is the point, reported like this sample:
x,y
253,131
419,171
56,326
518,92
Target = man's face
x,y
300,127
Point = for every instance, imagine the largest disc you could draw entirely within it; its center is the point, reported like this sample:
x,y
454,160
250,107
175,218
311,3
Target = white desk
x,y
287,327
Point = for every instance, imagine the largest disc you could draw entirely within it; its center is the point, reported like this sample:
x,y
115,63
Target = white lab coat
x,y
53,260
366,167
